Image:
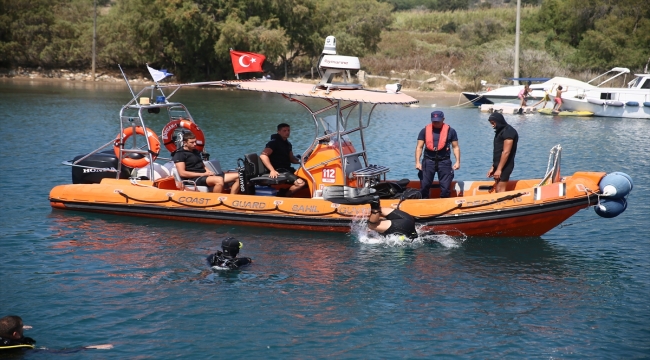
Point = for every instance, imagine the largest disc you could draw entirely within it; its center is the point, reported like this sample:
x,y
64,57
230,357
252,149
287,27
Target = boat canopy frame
x,y
135,120
341,131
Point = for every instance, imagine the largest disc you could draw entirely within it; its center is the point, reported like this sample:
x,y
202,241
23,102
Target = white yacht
x,y
632,101
508,94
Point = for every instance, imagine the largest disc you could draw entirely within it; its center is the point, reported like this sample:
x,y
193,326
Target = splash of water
x,y
361,231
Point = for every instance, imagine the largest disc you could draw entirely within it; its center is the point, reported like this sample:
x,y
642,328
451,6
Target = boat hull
x,y
625,111
472,210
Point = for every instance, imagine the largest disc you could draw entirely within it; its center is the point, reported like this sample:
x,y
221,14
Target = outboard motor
x,y
614,189
245,171
96,167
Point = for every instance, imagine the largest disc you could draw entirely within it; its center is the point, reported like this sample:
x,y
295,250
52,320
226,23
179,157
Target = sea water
x,y
143,285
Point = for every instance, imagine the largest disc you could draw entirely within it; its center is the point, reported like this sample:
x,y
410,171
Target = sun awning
x,y
306,90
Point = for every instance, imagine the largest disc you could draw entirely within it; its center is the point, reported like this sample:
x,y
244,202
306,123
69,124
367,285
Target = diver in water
x,y
12,338
11,334
394,221
227,259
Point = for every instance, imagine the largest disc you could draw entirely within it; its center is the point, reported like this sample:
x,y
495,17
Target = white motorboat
x,y
508,94
630,102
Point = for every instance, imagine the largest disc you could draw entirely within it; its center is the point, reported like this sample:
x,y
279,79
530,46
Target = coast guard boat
x,y
127,176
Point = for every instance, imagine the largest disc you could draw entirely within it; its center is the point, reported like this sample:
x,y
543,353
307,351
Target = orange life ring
x,y
137,163
168,132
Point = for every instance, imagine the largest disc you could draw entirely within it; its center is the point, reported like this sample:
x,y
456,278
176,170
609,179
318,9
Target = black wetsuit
x,y
502,132
16,344
219,260
401,223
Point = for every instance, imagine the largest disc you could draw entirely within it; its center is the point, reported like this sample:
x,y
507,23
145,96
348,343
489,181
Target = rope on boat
x,y
221,203
577,222
467,102
459,206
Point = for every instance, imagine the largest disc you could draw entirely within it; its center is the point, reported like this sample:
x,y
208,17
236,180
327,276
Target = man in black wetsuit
x,y
227,259
11,334
505,149
395,221
278,156
12,339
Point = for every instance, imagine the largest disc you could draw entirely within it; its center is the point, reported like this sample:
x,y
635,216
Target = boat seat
x,y
258,174
188,185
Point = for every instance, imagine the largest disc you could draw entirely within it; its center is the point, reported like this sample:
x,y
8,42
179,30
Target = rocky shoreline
x,y
71,75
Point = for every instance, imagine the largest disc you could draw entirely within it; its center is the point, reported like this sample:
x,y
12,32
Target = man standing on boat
x,y
437,139
189,164
278,156
505,149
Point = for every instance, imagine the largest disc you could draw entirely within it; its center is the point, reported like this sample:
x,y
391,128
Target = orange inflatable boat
x,y
128,179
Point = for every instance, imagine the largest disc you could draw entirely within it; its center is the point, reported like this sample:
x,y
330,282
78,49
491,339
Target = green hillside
x,y
415,39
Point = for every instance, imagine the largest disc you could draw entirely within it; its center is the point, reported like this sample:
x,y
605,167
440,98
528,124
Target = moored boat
x,y
629,102
132,179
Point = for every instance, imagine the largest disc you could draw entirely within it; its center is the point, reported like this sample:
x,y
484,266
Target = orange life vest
x,y
442,140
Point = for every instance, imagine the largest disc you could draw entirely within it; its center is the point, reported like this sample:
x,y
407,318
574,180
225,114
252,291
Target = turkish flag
x,y
246,61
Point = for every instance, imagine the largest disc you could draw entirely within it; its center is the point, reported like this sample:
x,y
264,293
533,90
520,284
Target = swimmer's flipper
x,y
340,194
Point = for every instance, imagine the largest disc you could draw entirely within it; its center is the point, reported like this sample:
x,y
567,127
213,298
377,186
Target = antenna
x,y
127,81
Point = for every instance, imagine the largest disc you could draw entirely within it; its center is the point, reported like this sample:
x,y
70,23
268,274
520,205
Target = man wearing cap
x,y
437,139
505,149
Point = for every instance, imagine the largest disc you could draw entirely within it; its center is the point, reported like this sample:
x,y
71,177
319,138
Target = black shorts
x,y
401,223
202,180
506,172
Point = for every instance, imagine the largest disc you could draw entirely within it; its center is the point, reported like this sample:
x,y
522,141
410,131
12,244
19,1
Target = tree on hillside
x,y
605,33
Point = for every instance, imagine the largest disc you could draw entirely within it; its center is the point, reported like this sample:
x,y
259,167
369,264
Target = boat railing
x,y
553,167
370,175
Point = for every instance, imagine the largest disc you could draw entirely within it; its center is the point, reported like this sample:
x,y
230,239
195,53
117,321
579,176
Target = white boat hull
x,y
625,111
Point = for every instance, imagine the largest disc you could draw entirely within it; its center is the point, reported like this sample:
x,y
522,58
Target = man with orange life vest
x,y
189,164
437,139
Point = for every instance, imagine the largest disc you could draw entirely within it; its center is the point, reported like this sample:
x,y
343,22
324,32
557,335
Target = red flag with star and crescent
x,y
246,61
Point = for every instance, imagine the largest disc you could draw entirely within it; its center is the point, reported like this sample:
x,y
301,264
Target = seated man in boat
x,y
278,156
189,165
394,221
227,258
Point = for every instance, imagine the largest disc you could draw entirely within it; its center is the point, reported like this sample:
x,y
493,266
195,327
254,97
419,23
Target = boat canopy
x,y
309,90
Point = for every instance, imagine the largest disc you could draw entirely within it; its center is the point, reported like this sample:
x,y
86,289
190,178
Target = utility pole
x,y
94,34
517,30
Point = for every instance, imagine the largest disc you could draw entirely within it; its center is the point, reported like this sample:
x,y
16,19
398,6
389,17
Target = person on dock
x,y
389,221
558,98
439,139
523,93
227,258
190,166
12,338
504,151
278,156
